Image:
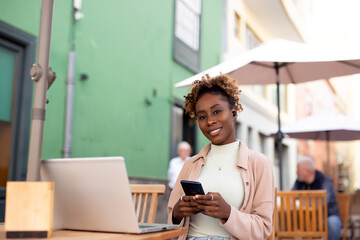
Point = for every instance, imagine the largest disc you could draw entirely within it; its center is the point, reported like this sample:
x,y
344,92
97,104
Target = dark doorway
x,y
183,128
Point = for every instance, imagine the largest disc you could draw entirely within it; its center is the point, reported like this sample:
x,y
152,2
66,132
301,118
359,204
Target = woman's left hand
x,y
213,205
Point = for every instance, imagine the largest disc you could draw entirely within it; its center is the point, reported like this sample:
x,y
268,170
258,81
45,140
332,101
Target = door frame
x,y
25,45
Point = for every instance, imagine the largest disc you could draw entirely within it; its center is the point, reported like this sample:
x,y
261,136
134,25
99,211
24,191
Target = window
x,y
284,179
283,96
8,64
309,102
258,89
251,39
238,129
262,143
237,26
250,141
187,33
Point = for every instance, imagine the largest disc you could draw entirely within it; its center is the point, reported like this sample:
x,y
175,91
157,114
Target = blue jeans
x,y
207,238
334,227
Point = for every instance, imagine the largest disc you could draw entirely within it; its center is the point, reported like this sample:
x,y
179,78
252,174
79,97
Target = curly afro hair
x,y
222,84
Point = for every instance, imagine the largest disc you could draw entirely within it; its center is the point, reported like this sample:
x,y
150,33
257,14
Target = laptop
x,y
94,194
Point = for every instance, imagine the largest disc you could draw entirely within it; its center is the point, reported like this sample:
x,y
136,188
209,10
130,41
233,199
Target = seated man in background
x,y
311,179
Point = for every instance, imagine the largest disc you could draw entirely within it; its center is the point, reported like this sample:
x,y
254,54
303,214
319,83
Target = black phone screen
x,y
191,188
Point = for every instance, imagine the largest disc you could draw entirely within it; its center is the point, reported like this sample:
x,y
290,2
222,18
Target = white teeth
x,y
215,131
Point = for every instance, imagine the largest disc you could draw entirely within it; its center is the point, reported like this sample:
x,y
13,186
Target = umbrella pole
x,y
328,163
43,76
279,134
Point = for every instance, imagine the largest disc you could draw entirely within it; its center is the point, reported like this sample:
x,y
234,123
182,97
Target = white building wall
x,y
260,115
262,119
335,27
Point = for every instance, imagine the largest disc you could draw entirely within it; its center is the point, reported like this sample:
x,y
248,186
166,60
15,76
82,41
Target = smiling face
x,y
215,118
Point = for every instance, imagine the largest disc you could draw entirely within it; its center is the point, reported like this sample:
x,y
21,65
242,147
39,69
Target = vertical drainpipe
x,y
67,149
70,82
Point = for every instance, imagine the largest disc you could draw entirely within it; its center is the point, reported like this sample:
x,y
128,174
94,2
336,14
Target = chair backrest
x,y
355,215
272,236
344,201
302,214
355,204
145,199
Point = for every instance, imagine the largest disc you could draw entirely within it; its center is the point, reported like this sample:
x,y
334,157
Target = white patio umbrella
x,y
282,61
324,125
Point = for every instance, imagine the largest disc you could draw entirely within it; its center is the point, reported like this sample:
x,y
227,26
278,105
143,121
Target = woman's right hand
x,y
186,206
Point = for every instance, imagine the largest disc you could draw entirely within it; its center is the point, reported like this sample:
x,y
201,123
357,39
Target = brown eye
x,y
217,112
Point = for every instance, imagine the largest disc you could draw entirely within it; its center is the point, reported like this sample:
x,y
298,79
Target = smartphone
x,y
191,188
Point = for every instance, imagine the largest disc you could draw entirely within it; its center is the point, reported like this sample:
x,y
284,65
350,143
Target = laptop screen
x,y
91,194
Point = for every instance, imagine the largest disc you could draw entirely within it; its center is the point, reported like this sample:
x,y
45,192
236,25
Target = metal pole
x,y
40,75
328,162
279,134
69,105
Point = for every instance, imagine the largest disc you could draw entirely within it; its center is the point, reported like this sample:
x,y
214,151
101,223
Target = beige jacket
x,y
254,220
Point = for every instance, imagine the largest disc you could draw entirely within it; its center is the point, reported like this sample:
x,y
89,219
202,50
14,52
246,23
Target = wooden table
x,y
84,235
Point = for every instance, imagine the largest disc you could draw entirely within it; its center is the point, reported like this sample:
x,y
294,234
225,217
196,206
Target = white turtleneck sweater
x,y
221,175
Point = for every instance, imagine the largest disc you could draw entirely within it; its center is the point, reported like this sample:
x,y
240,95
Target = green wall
x,y
125,48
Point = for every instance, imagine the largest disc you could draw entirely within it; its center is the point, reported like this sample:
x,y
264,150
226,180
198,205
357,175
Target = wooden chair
x,y
145,199
344,201
355,215
301,214
272,236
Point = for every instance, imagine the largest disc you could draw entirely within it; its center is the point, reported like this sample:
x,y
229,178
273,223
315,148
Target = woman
x,y
238,181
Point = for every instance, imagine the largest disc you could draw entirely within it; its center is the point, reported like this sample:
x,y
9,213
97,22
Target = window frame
x,y
182,52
